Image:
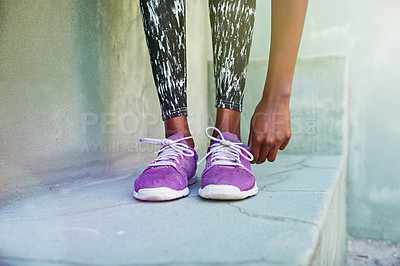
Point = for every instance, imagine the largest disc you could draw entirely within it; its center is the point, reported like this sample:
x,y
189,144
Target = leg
x,y
232,25
232,28
164,26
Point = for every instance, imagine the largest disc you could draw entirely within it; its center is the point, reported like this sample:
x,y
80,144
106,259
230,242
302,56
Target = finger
x,y
284,144
255,150
264,150
249,142
273,153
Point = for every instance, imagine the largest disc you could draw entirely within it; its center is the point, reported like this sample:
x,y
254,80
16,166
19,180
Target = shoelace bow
x,y
225,152
171,151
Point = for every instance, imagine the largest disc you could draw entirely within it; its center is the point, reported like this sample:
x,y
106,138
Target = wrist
x,y
276,94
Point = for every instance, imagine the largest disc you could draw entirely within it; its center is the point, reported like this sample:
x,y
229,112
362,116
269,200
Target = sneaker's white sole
x,y
163,193
226,192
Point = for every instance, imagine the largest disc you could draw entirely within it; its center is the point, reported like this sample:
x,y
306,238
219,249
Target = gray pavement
x,y
372,252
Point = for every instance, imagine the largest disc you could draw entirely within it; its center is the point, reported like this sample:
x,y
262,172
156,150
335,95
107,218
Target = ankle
x,y
178,124
228,120
190,141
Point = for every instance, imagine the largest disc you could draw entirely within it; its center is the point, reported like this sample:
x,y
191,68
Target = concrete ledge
x,y
296,219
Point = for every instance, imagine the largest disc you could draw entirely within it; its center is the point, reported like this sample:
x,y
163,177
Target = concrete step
x,y
297,218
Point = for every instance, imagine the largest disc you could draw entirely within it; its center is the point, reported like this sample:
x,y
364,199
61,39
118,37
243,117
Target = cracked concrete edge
x,y
270,217
331,245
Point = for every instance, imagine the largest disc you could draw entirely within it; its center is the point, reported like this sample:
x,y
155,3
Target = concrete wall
x,y
319,113
76,89
366,32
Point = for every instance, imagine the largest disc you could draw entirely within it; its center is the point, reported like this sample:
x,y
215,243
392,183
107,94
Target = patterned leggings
x,y
232,23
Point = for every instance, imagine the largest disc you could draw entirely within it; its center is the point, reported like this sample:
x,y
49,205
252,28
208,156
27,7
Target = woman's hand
x,y
270,124
269,129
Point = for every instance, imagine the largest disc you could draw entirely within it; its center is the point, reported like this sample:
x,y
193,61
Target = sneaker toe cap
x,y
155,177
228,175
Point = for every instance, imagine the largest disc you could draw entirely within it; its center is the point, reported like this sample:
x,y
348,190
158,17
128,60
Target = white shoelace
x,y
170,153
225,152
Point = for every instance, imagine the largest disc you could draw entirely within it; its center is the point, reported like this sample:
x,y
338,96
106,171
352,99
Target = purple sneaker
x,y
228,174
168,176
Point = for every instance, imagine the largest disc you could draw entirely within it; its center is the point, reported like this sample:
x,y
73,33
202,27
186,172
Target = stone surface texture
x,y
94,220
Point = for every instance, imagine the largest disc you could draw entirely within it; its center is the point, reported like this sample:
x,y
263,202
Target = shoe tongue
x,y
229,136
176,136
